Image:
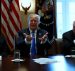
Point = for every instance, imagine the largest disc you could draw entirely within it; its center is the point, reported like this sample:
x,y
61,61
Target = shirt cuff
x,y
28,42
44,41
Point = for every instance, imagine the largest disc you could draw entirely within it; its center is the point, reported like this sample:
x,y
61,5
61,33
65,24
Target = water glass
x,y
17,54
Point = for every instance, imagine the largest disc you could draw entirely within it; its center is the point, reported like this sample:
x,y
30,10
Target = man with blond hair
x,y
40,44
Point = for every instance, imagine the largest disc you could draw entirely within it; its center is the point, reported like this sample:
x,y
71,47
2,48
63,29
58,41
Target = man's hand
x,y
43,38
28,37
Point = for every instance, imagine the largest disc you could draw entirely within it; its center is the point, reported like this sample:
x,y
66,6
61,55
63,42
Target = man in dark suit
x,y
69,41
25,37
47,21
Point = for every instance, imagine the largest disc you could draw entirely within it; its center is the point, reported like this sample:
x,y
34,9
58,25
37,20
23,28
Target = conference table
x,y
60,63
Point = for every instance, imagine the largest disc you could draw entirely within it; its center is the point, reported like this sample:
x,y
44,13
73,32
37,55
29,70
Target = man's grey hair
x,y
34,15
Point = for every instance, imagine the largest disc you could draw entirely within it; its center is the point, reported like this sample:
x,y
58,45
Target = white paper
x,y
0,61
70,56
73,55
0,57
17,60
44,60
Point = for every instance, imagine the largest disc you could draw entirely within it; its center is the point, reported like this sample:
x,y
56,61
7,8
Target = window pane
x,y
71,13
59,19
65,15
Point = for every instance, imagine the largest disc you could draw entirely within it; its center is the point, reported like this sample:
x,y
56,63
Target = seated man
x,y
69,41
24,43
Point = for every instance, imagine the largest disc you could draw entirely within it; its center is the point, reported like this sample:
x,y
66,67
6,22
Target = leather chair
x,y
59,46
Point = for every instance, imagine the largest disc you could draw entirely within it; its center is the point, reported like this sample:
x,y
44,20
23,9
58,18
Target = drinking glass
x,y
17,54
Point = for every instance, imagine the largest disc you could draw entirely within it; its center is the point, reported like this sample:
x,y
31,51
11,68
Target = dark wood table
x,y
61,64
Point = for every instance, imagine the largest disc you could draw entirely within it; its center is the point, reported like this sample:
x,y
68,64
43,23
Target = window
x,y
65,15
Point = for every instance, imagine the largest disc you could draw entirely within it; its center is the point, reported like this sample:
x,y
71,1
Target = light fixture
x,y
27,5
26,8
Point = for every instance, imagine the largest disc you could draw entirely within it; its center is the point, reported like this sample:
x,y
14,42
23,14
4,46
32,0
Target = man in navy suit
x,y
25,37
69,41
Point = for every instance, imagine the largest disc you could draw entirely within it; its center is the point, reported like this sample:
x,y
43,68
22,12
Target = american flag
x,y
10,21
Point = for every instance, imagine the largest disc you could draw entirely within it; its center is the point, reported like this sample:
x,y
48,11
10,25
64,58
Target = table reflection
x,y
61,64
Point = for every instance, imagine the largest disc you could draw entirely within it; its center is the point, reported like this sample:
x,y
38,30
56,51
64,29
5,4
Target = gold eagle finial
x,y
25,8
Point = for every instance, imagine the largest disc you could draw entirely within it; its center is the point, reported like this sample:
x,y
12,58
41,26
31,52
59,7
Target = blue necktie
x,y
33,49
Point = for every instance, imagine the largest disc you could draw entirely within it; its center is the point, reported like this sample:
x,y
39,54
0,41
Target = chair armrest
x,y
59,44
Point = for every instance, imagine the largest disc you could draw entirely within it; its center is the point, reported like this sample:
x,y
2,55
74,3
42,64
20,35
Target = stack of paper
x,y
70,56
44,60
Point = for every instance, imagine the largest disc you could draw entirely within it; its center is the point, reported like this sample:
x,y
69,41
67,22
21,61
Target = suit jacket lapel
x,y
28,32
